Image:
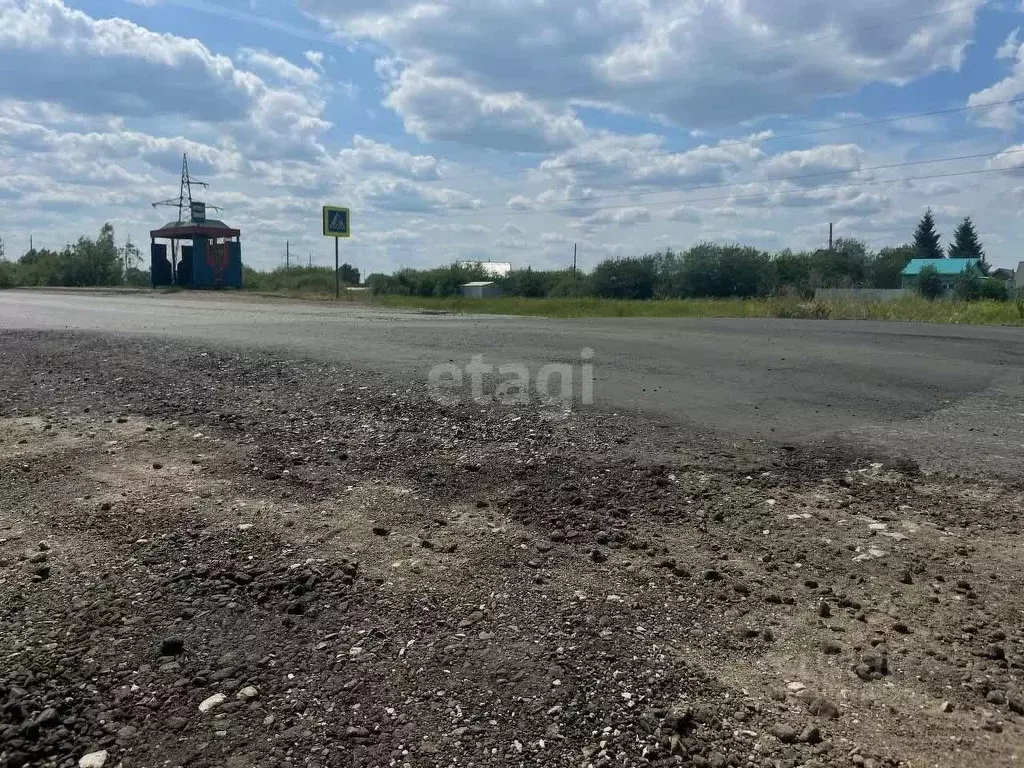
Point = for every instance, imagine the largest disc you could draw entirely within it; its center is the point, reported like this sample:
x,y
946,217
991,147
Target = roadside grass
x,y
910,309
907,309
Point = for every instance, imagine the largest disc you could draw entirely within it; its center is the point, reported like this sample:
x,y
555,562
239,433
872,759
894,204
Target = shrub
x,y
929,284
137,277
716,271
969,286
632,278
997,290
8,274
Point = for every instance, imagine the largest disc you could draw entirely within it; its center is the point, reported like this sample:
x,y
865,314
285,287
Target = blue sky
x,y
511,129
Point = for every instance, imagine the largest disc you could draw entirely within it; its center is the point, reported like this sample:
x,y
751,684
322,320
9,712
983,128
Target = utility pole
x,y
830,235
31,247
574,261
1,249
310,259
287,254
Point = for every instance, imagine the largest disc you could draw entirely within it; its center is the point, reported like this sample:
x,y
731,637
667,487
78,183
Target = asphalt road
x,y
951,396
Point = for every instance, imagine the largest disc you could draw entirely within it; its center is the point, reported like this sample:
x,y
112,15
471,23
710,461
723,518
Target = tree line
x,y
709,270
706,270
88,262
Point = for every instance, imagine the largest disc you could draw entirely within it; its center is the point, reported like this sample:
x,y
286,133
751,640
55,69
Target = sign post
x,y
336,225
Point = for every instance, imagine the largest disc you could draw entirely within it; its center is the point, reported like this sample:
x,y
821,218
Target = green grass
x,y
910,309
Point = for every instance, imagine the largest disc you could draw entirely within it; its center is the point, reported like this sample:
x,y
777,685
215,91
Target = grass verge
x,y
910,309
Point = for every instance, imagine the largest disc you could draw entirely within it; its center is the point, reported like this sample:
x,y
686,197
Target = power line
x,y
798,177
753,140
774,192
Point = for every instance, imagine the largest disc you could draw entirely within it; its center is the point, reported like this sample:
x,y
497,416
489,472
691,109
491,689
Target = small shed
x,y
949,270
211,259
481,290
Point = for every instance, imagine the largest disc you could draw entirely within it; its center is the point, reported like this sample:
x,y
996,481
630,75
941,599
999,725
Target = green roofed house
x,y
949,270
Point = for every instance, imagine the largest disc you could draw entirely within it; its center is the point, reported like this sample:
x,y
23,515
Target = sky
x,y
510,130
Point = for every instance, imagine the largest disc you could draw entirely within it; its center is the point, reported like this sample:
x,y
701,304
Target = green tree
x,y
527,283
996,290
929,284
969,286
886,269
844,266
87,262
632,278
717,271
927,244
348,274
8,274
793,274
966,244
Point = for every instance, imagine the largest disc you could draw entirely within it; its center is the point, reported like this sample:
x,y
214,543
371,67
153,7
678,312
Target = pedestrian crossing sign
x,y
336,222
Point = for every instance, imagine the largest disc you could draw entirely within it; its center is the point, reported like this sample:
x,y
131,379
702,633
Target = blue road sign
x,y
336,221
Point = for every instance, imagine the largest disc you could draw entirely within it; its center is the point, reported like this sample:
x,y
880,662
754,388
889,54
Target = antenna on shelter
x,y
184,199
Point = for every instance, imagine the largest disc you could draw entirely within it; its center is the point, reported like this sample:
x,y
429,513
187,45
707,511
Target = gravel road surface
x,y
945,391
241,533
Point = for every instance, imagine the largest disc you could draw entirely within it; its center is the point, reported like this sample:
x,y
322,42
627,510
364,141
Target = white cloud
x,y
854,202
1008,50
1010,159
393,237
403,195
642,161
816,162
697,64
113,66
611,169
939,188
369,155
628,216
316,58
554,238
1002,116
686,213
512,230
279,67
449,109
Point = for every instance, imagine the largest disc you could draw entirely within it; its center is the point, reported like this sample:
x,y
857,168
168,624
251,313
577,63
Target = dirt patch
x,y
342,572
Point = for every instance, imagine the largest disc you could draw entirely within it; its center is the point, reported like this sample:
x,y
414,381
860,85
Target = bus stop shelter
x,y
210,255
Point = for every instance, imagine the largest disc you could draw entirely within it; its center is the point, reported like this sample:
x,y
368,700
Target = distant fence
x,y
860,294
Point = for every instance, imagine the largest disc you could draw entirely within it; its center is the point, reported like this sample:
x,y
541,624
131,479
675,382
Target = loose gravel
x,y
213,557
